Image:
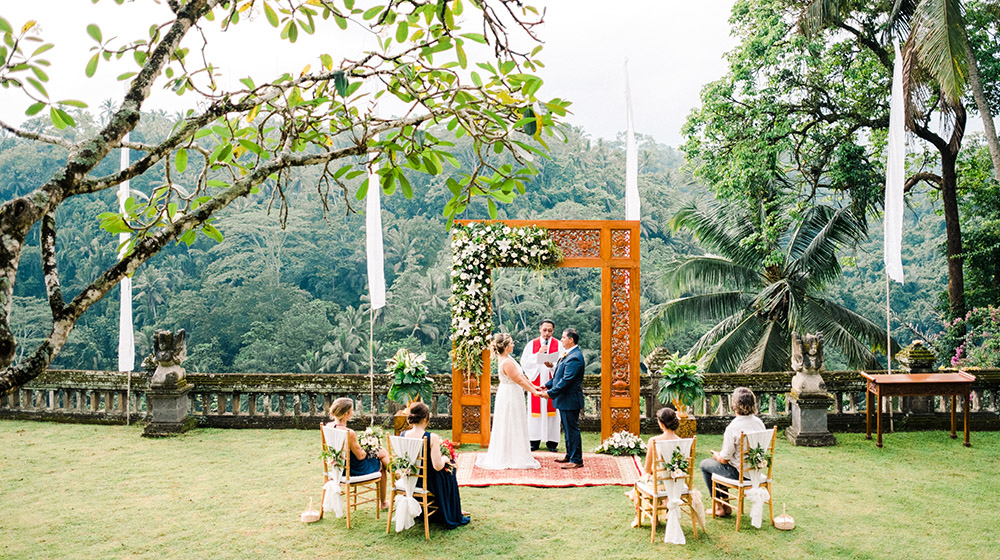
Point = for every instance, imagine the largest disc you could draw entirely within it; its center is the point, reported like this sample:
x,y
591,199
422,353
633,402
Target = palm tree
x,y
759,295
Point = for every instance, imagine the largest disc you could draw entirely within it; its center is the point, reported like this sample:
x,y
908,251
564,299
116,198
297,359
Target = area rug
x,y
598,470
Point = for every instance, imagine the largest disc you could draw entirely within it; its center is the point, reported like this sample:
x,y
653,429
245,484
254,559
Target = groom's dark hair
x,y
549,321
572,334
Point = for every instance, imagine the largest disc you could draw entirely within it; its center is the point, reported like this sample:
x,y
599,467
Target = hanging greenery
x,y
477,248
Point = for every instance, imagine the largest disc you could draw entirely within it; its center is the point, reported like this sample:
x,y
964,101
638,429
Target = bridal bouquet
x,y
448,452
622,443
370,440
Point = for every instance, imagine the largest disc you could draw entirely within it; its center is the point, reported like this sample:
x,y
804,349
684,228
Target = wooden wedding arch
x,y
612,246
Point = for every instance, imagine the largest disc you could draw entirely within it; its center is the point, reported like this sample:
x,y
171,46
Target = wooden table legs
x,y
878,418
965,418
868,414
953,436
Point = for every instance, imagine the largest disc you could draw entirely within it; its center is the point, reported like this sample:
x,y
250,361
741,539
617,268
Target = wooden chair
x,y
653,496
359,489
415,450
748,441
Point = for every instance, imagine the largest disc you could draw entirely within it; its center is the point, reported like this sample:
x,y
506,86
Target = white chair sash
x,y
675,488
756,495
332,501
407,508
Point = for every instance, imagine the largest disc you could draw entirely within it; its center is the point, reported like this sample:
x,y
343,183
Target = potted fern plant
x,y
680,383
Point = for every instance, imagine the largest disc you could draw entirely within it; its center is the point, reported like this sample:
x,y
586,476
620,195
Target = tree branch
x,y
50,266
28,135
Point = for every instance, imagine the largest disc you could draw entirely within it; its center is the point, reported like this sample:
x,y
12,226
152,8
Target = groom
x,y
566,391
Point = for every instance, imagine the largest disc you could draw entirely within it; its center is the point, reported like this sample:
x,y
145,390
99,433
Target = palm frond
x,y
771,352
713,335
730,350
849,332
820,14
901,16
702,273
939,31
814,246
712,225
662,319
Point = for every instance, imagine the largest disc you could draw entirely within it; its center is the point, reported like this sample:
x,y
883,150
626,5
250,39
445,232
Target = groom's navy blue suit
x,y
566,391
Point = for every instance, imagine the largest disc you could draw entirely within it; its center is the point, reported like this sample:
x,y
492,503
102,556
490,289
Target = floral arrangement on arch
x,y
622,443
477,248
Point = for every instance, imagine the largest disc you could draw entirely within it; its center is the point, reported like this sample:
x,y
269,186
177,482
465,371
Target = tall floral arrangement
x,y
971,341
409,377
477,248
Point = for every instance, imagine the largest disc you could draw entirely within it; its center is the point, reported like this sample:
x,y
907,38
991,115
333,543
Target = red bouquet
x,y
448,452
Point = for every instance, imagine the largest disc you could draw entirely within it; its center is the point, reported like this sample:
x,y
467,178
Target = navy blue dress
x,y
368,465
444,485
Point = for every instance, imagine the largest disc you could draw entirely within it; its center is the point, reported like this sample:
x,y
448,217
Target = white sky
x,y
673,49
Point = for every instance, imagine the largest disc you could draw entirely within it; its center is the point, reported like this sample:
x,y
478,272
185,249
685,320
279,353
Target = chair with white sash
x,y
337,478
668,490
754,483
409,495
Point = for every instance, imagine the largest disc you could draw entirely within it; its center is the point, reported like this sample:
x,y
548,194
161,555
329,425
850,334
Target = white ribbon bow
x,y
757,497
407,507
331,494
674,534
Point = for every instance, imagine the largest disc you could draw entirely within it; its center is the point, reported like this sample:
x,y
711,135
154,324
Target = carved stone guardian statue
x,y
808,397
168,395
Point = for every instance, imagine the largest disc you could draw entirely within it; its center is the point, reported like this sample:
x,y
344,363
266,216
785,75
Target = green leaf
x,y
181,160
35,109
94,32
492,208
402,31
293,32
38,86
5,26
340,82
253,147
476,37
212,233
92,65
74,103
371,12
404,184
477,80
42,49
56,118
326,60
188,237
530,127
272,17
362,190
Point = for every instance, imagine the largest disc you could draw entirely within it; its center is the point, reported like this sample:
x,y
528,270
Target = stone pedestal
x,y
399,422
809,427
688,427
168,408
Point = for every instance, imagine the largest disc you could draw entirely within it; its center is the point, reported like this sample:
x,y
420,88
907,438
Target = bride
x,y
509,446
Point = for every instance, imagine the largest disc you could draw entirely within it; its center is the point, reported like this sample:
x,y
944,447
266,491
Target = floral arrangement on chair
x,y
334,458
758,458
677,463
371,440
622,443
448,452
404,466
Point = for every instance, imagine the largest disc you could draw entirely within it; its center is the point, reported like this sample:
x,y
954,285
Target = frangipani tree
x,y
238,140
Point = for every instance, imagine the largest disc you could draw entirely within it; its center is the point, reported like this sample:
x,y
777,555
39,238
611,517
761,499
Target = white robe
x,y
543,418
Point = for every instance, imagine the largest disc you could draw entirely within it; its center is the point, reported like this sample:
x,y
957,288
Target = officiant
x,y
538,362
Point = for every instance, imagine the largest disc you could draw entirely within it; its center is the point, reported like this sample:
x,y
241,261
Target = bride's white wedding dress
x,y
509,445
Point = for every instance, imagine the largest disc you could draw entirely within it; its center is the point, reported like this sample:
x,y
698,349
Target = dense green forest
x,y
291,297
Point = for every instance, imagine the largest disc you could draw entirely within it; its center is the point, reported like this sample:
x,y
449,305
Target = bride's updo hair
x,y
500,342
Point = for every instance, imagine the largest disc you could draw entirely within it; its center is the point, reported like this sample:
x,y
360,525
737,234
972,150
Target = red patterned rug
x,y
598,470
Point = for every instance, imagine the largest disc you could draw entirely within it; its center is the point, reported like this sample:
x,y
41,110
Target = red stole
x,y
536,402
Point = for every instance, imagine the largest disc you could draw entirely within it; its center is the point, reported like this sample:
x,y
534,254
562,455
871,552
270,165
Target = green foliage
x,y
971,341
678,462
409,377
403,466
758,458
680,381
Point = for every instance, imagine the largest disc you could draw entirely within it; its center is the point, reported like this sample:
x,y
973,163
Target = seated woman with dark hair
x,y
668,421
440,481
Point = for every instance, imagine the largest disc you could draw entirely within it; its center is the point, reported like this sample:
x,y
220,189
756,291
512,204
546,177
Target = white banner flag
x,y
373,240
631,159
894,176
126,338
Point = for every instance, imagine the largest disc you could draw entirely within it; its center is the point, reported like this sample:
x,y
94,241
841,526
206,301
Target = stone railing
x,y
230,400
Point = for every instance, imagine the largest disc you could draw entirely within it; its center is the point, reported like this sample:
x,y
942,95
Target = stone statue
x,y
807,362
169,350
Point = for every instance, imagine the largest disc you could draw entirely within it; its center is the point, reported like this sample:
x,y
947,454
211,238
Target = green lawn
x,y
74,491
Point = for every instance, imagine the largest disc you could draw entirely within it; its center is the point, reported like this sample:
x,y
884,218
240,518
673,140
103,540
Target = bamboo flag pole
x,y
371,362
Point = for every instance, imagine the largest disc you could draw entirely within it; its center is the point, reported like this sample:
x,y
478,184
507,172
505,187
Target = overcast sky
x,y
673,49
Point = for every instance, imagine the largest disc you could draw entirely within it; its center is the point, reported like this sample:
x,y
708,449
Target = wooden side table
x,y
917,385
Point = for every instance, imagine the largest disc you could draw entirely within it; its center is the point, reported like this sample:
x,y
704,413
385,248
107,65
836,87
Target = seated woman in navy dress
x,y
361,462
441,481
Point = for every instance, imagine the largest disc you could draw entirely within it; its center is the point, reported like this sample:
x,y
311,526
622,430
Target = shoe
x,y
573,466
559,460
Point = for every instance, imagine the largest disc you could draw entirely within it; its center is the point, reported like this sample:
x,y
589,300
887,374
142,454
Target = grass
x,y
76,491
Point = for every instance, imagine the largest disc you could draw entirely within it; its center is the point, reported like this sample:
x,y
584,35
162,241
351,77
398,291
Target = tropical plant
x,y
759,294
409,377
680,382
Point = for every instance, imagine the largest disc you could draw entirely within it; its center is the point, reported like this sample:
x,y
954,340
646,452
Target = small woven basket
x,y
784,521
310,515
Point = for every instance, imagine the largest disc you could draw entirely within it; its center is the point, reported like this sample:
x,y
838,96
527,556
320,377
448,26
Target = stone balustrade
x,y
248,400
